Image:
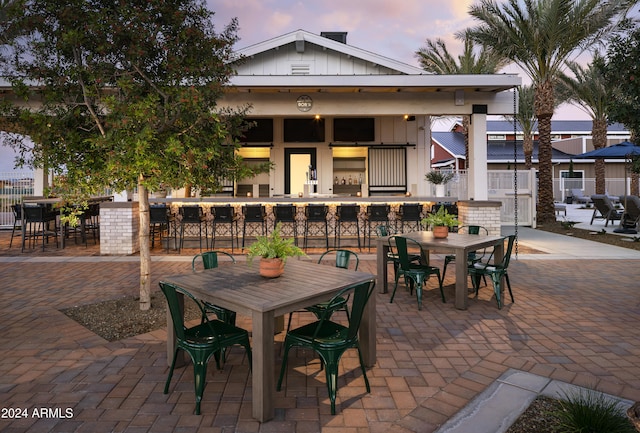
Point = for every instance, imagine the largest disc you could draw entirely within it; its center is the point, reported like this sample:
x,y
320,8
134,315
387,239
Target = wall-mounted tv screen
x,y
354,129
303,130
260,132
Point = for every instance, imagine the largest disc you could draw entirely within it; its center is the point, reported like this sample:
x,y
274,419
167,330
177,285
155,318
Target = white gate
x,y
501,188
13,185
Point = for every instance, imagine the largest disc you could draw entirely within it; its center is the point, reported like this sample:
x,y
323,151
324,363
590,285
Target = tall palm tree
x,y
587,89
539,36
436,58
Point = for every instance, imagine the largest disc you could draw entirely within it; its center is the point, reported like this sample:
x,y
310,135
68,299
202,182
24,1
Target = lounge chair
x,y
604,209
614,198
631,214
579,197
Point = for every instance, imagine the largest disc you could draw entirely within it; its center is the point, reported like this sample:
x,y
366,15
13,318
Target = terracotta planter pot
x,y
440,232
271,268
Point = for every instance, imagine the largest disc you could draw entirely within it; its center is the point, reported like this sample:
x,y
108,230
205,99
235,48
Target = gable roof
x,y
302,36
376,73
497,150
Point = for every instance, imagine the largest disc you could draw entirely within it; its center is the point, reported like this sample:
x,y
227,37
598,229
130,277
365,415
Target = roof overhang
x,y
374,83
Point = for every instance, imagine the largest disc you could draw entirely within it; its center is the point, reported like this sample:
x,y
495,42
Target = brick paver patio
x,y
573,320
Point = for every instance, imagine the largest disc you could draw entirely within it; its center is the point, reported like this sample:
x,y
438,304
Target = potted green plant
x,y
440,222
273,251
439,179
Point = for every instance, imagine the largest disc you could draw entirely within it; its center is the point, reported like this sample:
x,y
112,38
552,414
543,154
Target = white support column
x,y
40,181
477,181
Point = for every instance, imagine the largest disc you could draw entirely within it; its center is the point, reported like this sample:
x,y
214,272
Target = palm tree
x,y
526,118
587,89
540,36
435,58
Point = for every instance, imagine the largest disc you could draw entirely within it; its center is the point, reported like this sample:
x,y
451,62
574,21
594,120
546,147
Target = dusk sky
x,y
389,28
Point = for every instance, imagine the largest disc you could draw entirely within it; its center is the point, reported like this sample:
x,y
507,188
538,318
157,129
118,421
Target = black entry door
x,y
296,165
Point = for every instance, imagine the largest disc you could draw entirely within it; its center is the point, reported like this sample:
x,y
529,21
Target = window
x,y
260,132
574,182
354,129
303,130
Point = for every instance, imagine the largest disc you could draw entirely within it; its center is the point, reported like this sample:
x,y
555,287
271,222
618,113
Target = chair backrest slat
x,y
343,258
209,259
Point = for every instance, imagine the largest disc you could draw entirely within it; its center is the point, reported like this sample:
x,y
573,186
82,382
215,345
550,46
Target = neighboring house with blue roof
x,y
571,137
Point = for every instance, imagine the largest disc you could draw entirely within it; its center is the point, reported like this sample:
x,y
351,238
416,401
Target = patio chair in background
x,y
330,339
417,274
614,198
342,259
496,271
579,197
631,214
604,209
17,222
473,256
200,341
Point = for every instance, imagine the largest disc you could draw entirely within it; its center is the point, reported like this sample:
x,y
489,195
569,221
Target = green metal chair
x,y
417,273
202,341
494,270
343,260
330,339
210,261
473,256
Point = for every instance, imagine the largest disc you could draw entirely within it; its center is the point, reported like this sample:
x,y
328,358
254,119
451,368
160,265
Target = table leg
x,y
382,249
263,366
461,280
367,332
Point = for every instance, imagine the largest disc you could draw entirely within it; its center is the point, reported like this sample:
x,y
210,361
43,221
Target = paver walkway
x,y
574,320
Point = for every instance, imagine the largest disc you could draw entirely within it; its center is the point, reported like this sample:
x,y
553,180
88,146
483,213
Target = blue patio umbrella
x,y
625,150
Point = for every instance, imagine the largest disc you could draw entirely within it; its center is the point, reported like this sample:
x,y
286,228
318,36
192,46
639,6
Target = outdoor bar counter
x,y
332,201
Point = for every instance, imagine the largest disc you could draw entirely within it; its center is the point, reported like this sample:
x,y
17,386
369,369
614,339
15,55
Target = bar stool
x,y
193,215
316,214
253,214
409,213
286,213
224,215
37,220
161,220
377,214
17,222
349,214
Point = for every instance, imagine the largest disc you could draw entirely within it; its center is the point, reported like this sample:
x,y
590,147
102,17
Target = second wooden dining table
x,y
457,243
240,288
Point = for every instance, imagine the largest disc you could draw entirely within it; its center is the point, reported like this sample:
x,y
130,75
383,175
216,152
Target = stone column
x,y
119,228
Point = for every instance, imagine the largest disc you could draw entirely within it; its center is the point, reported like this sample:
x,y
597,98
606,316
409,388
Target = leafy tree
x,y
127,91
622,74
587,89
539,36
436,58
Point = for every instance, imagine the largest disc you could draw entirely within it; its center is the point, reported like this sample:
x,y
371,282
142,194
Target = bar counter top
x,y
312,199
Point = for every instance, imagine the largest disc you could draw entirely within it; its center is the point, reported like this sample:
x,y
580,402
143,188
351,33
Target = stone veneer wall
x,y
482,213
119,227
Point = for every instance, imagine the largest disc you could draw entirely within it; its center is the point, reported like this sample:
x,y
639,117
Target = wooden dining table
x,y
240,288
461,244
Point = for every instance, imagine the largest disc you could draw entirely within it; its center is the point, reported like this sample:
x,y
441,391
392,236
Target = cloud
x,y
392,29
